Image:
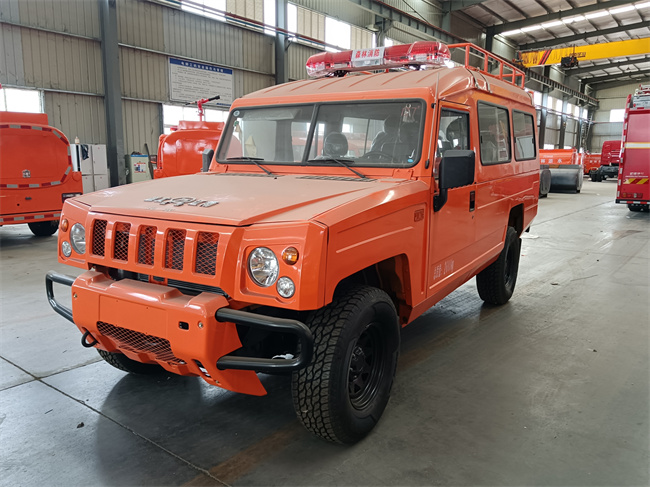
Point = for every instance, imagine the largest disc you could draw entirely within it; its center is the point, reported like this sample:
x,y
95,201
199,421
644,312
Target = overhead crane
x,y
570,56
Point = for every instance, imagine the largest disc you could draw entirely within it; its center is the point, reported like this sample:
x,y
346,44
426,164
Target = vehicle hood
x,y
237,199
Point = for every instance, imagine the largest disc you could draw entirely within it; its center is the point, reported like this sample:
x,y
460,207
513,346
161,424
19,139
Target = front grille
x,y
146,245
174,249
136,342
99,237
121,241
206,253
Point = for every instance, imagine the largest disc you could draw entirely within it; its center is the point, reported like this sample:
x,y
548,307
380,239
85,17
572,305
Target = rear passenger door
x,y
452,228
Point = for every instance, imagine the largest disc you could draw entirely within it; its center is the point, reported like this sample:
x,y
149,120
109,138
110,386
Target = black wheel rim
x,y
366,367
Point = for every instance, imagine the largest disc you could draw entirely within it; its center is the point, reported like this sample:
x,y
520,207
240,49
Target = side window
x,y
494,128
524,132
453,131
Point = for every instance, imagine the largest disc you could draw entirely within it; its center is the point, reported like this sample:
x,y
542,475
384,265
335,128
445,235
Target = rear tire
x,y
342,394
122,362
496,283
44,229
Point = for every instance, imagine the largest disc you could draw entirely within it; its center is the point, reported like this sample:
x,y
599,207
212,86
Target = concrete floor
x,y
550,389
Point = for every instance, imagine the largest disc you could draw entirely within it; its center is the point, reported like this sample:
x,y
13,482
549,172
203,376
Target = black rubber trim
x,y
268,323
50,278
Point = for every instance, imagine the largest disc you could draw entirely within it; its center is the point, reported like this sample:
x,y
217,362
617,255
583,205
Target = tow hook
x,y
85,343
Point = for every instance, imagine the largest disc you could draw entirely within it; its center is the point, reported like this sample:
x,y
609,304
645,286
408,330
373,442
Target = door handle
x,y
472,200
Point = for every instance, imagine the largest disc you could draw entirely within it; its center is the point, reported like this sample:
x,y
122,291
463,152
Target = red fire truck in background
x,y
36,173
591,162
609,161
182,151
634,174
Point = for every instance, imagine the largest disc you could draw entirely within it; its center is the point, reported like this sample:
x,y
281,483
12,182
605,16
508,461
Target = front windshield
x,y
381,133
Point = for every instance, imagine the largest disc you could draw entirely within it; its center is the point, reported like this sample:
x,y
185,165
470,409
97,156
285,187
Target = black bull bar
x,y
253,320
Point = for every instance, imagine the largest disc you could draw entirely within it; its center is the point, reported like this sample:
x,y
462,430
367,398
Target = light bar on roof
x,y
420,54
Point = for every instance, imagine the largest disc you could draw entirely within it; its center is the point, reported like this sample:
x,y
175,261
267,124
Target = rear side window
x,y
523,129
494,127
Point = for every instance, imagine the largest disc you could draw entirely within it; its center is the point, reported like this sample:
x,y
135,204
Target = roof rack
x,y
489,64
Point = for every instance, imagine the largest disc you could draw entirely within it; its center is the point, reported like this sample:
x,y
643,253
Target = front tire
x,y
342,394
44,229
124,363
496,283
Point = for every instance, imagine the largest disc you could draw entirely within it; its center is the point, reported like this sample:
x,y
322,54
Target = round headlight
x,y
65,248
263,266
78,238
285,287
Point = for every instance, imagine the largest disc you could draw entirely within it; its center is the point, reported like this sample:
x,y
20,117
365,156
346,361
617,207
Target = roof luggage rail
x,y
479,59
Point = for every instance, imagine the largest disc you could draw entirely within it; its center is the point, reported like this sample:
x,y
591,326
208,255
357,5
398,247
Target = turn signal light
x,y
63,226
290,255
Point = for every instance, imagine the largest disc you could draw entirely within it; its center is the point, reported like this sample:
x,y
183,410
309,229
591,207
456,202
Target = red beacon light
x,y
419,55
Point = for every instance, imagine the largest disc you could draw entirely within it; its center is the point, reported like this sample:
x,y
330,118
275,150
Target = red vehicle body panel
x,y
591,162
634,171
35,169
611,153
180,152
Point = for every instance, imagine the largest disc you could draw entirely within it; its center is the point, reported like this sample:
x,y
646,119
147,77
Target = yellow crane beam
x,y
605,50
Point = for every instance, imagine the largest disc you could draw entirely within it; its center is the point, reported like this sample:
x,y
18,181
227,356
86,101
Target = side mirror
x,y
456,169
208,154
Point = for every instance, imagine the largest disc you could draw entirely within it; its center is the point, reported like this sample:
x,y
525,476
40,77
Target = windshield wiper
x,y
341,162
253,160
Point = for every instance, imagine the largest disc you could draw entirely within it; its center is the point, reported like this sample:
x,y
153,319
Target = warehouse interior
x,y
553,388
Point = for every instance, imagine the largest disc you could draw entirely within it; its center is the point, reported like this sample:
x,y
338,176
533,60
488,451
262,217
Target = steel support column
x,y
112,92
563,122
281,75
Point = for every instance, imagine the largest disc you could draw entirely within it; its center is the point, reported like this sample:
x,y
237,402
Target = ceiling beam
x,y
578,37
395,15
613,77
615,84
598,67
450,6
518,24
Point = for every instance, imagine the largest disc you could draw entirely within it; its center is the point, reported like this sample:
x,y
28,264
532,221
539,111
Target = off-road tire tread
x,y
124,363
488,281
310,385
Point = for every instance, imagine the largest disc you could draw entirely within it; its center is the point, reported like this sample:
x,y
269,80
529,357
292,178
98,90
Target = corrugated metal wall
x,y
142,124
603,129
297,59
77,116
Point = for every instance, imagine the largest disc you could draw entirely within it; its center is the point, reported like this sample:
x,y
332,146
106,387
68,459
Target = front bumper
x,y
187,335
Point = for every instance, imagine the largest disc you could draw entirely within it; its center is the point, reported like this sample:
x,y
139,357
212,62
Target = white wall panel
x,y
144,75
251,9
79,17
297,56
10,11
140,24
311,24
11,56
54,61
141,125
340,9
77,116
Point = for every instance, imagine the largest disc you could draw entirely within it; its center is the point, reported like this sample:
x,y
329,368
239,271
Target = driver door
x,y
452,229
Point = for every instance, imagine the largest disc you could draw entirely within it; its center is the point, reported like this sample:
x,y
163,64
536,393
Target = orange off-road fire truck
x,y
303,256
36,173
634,172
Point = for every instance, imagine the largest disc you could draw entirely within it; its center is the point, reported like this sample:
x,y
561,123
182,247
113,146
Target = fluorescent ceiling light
x,y
511,32
577,18
531,28
596,15
555,23
642,5
622,9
